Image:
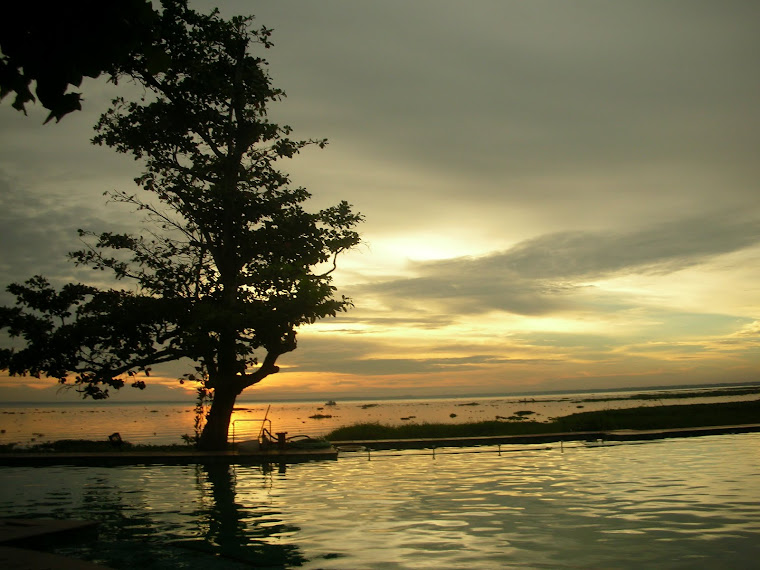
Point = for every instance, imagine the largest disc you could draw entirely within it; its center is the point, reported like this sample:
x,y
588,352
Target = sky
x,y
558,195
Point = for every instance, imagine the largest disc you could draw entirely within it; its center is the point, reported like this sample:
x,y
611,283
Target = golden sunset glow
x,y
565,200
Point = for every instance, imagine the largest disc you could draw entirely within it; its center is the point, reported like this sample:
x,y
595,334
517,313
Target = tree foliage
x,y
232,264
57,44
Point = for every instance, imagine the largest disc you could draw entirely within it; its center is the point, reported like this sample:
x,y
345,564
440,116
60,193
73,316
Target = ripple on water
x,y
671,504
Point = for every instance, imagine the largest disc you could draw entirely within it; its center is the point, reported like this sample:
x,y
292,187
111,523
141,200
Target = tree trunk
x,y
214,436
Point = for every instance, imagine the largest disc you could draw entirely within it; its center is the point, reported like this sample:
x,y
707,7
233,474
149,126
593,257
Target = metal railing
x,y
263,432
265,435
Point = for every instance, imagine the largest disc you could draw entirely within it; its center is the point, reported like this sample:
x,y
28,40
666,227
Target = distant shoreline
x,y
699,390
649,422
664,417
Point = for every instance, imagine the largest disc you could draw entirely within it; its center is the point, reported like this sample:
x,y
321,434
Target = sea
x,y
678,504
26,424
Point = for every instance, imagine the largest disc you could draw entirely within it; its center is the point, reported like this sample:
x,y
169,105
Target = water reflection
x,y
671,504
165,422
674,504
159,516
237,532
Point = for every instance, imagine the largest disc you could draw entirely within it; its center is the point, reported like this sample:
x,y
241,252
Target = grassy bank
x,y
643,418
87,446
105,446
649,417
741,391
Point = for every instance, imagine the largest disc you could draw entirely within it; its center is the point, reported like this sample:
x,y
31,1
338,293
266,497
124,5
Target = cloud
x,y
39,229
520,87
752,329
663,248
433,364
551,272
584,175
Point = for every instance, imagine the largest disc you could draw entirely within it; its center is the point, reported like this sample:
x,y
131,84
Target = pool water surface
x,y
679,503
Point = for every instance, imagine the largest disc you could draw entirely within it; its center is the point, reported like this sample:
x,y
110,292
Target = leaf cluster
x,y
97,336
56,44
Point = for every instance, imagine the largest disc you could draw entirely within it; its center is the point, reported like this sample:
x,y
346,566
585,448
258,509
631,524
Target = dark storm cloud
x,y
34,232
38,230
52,181
524,86
541,275
61,153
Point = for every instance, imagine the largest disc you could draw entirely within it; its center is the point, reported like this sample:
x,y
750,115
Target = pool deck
x,y
280,456
189,457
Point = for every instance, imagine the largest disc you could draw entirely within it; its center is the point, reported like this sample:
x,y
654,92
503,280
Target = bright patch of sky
x,y
557,195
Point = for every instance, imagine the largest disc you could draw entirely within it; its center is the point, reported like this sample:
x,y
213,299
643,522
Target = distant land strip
x,y
642,418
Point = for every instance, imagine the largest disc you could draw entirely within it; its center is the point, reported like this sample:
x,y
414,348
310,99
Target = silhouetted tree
x,y
57,44
233,263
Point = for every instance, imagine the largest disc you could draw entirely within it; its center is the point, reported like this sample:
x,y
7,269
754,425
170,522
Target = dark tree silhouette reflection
x,y
233,531
190,517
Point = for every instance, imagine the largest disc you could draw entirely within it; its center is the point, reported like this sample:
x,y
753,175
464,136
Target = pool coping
x,y
189,457
611,435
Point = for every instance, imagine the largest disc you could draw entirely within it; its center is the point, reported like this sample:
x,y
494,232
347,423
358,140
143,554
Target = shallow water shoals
x,y
658,418
166,422
670,504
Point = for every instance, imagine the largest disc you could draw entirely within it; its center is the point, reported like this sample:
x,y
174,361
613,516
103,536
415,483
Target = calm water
x,y
166,422
681,503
